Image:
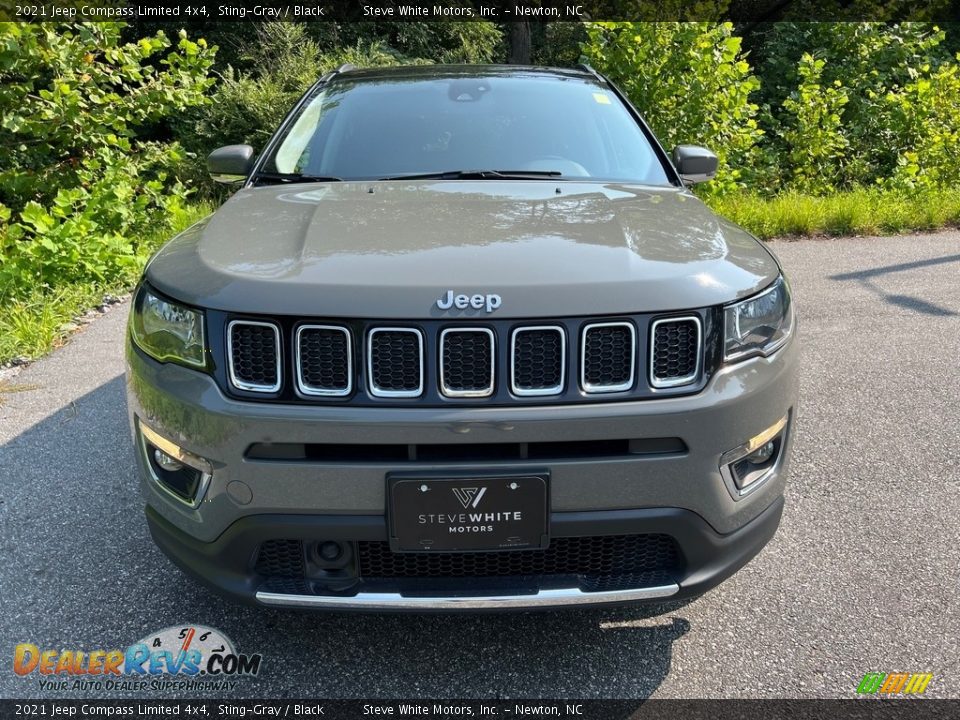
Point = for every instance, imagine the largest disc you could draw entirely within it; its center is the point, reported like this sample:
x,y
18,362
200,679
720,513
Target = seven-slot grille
x,y
466,362
253,349
398,362
395,362
675,358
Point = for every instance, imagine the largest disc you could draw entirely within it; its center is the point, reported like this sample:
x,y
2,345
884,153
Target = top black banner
x,y
538,11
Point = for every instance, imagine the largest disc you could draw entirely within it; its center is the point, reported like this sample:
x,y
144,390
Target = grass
x,y
32,326
856,212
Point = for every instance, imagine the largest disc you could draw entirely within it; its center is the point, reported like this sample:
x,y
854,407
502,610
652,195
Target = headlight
x,y
759,325
167,331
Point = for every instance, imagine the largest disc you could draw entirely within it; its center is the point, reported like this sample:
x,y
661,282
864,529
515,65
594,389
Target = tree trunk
x,y
519,43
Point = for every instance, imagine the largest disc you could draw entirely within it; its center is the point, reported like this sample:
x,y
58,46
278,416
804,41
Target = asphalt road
x,y
864,574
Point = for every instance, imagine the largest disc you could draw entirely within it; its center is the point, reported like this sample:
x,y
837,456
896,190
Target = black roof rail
x,y
590,71
336,71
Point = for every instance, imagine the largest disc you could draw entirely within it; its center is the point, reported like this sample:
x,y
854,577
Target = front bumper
x,y
227,565
679,494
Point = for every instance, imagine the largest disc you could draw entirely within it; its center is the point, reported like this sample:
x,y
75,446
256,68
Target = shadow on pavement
x,y
81,572
899,267
866,279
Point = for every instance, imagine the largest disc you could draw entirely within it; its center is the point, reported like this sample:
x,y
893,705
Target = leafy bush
x,y
77,184
38,319
813,134
926,114
875,63
469,41
689,80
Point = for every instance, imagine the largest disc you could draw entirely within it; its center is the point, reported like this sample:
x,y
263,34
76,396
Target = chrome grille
x,y
324,363
253,352
395,362
538,360
467,362
435,363
608,357
675,358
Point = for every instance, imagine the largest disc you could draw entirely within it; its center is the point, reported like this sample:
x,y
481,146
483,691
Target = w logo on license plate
x,y
469,497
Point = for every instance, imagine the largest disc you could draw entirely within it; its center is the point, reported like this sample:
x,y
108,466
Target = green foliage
x,y
474,41
813,129
690,81
41,317
843,105
77,184
876,64
558,44
443,42
926,114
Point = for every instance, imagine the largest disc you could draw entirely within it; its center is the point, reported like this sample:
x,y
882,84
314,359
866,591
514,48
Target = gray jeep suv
x,y
462,339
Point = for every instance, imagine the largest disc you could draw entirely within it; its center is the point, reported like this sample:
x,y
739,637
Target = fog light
x,y
762,455
181,474
746,467
166,462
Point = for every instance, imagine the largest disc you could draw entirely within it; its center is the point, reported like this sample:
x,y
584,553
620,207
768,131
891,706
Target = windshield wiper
x,y
295,177
479,175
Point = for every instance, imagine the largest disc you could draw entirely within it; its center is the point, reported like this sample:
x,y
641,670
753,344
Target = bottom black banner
x,y
437,709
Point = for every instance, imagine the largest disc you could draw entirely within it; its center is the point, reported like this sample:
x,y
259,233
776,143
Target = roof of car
x,y
427,72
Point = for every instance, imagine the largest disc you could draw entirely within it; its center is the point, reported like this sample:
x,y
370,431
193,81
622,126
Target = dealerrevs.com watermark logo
x,y
180,657
878,683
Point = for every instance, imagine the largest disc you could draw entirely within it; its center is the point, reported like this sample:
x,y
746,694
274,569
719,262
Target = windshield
x,y
385,127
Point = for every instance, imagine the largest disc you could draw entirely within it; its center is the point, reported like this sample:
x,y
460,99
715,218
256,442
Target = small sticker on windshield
x,y
601,98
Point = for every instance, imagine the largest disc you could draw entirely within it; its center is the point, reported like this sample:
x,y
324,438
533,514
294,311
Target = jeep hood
x,y
391,249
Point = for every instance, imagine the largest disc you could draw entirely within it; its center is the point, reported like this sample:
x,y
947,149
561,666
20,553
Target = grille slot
x,y
467,362
395,362
601,557
675,354
608,357
538,360
253,351
324,360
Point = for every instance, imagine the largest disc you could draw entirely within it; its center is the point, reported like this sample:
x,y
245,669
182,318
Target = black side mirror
x,y
694,163
231,163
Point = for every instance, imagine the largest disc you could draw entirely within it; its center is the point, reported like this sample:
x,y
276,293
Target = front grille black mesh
x,y
608,356
538,359
254,354
675,350
281,558
395,361
324,359
467,363
598,556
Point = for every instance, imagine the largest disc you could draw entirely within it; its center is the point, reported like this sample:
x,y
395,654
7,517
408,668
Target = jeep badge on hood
x,y
462,302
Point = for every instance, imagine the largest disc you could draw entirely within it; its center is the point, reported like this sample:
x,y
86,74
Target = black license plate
x,y
430,514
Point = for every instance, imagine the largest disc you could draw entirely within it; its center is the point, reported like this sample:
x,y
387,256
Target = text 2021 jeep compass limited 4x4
x,y
462,339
